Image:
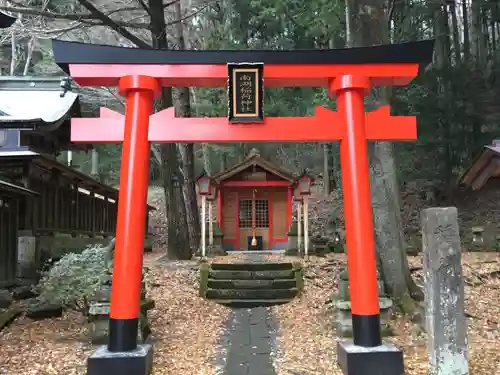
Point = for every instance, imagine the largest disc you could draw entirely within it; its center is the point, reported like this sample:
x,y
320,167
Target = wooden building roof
x,y
39,110
255,160
485,166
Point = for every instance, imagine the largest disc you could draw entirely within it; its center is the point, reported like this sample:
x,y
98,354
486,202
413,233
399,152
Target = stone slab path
x,y
251,335
251,341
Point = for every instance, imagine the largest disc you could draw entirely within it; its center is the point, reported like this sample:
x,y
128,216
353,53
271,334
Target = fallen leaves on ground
x,y
186,327
307,341
306,344
185,330
231,258
482,293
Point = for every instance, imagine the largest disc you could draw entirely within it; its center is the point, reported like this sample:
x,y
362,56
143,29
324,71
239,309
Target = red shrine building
x,y
254,198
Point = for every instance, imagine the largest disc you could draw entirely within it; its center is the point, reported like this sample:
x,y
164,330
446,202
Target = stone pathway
x,y
250,336
251,341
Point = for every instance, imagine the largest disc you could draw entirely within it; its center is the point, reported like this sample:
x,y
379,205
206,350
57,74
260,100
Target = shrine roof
x,y
486,165
254,159
66,53
35,104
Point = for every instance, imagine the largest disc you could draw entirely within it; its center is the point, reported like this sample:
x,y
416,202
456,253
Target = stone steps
x,y
251,284
252,275
256,266
256,294
245,303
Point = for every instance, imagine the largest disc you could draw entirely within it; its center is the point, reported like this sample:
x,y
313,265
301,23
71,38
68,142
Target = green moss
x,y
147,304
407,304
8,317
204,272
298,270
337,248
148,243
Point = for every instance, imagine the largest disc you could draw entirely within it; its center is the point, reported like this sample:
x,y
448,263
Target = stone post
x,y
28,260
444,292
99,310
99,314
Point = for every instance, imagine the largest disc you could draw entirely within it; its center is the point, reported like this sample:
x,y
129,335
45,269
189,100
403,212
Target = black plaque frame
x,y
257,71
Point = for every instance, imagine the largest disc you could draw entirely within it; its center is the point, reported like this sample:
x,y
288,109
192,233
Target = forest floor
x,y
187,329
307,342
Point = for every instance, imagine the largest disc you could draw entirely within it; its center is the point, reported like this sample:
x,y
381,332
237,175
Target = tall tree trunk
x,y
368,26
13,48
480,70
493,41
205,147
207,162
189,194
183,109
178,246
478,37
29,55
442,64
456,35
465,15
223,161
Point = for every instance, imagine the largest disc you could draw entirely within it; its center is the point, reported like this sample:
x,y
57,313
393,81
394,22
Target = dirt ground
x,y
187,328
185,331
307,341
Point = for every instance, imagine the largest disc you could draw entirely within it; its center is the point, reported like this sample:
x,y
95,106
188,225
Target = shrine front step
x,y
251,284
254,266
245,294
252,274
250,303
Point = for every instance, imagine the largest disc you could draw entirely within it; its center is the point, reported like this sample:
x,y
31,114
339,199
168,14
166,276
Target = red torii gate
x,y
349,74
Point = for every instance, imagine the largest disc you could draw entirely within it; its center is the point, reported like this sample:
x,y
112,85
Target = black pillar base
x,y
136,362
385,359
122,334
366,330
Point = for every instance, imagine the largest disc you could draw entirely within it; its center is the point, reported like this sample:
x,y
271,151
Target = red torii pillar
x,y
358,215
139,92
351,125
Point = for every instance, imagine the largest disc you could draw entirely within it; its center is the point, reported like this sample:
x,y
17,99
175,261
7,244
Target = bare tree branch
x,y
13,59
192,14
113,25
29,55
170,3
43,33
145,7
80,17
96,17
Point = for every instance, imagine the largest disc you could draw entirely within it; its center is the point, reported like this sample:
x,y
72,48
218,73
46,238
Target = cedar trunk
x,y
182,102
368,25
178,246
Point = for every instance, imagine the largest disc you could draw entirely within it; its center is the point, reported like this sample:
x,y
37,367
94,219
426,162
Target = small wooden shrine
x,y
253,202
484,167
